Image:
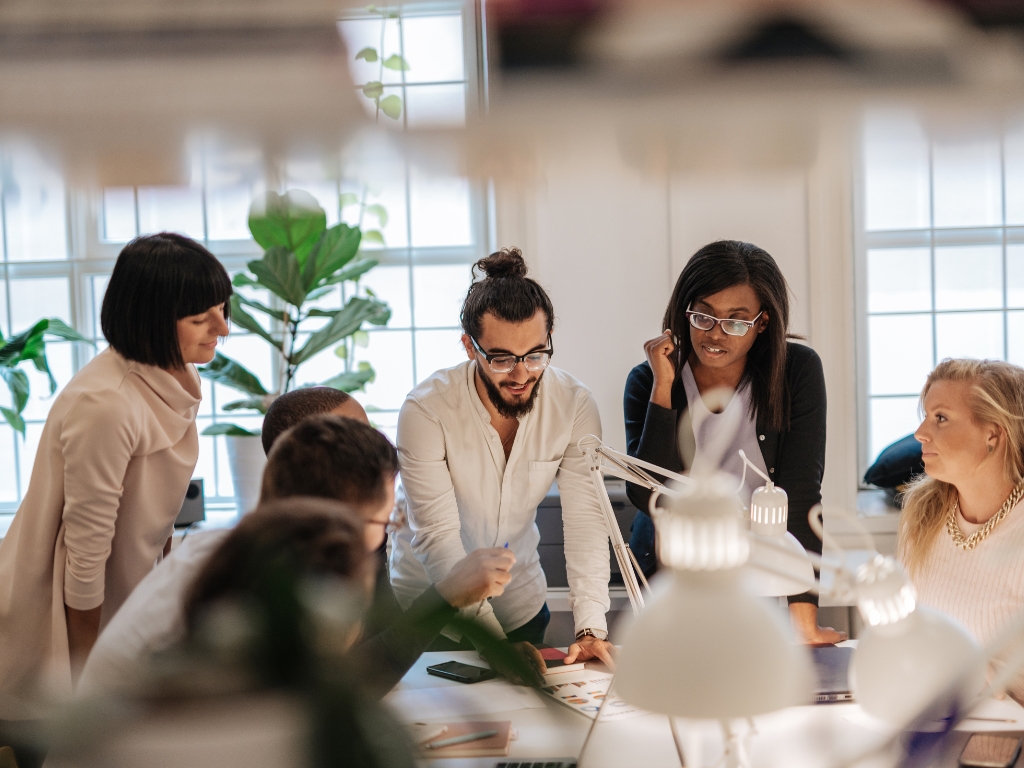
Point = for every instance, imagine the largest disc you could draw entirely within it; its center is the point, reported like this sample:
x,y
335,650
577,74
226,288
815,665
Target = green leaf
x,y
373,89
24,346
373,236
349,198
277,314
346,322
14,419
368,54
322,312
396,62
43,366
249,404
353,271
380,212
391,106
352,381
336,248
293,221
242,280
60,329
281,272
231,430
361,339
319,293
224,370
17,383
247,322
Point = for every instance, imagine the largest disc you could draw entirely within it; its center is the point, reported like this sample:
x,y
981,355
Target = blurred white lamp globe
x,y
908,654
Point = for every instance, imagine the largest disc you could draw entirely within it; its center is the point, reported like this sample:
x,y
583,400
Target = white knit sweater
x,y
982,588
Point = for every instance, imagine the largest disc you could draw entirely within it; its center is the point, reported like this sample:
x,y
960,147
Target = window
x,y
941,260
59,245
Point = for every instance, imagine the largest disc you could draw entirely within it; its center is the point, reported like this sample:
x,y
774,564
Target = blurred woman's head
x,y
972,427
167,302
729,279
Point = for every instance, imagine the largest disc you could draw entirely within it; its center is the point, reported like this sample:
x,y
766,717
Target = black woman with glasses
x,y
726,325
479,446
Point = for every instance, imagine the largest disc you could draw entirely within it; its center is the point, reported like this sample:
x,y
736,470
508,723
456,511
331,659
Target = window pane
x,y
968,184
436,350
970,334
99,287
439,210
432,106
252,352
1015,337
366,33
227,211
895,173
901,353
118,214
899,280
390,354
892,418
319,368
34,208
1013,158
3,310
969,277
385,190
171,209
8,480
59,355
433,48
1015,275
386,422
391,284
36,298
439,292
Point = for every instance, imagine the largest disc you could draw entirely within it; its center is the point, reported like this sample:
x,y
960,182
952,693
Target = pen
x,y
432,734
461,739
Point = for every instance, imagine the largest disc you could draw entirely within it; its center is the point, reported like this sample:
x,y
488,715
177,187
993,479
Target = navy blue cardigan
x,y
795,457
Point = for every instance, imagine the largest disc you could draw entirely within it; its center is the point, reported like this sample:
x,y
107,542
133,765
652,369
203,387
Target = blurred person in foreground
x,y
481,444
326,456
961,534
113,464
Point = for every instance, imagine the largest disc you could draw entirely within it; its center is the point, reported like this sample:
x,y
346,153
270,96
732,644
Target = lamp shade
x,y
705,646
908,654
782,569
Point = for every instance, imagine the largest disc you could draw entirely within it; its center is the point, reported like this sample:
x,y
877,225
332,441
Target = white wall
x,y
608,242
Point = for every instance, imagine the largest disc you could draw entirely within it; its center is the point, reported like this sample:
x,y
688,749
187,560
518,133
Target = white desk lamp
x,y
605,461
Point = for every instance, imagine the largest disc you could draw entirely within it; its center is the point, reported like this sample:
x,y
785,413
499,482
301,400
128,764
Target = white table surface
x,y
812,736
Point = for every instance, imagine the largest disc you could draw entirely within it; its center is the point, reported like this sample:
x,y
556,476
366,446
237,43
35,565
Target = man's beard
x,y
511,410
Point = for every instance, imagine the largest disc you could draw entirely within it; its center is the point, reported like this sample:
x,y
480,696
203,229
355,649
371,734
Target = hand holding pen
x,y
481,574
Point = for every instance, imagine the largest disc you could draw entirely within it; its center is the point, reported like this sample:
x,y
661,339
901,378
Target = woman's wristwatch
x,y
600,634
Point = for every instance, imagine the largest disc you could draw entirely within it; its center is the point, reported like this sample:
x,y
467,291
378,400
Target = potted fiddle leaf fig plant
x,y
303,260
30,347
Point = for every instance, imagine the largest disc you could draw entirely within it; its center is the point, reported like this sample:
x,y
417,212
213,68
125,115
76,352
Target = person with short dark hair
x,y
289,409
727,326
113,464
480,445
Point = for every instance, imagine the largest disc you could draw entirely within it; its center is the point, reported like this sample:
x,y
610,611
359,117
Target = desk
x,y
812,736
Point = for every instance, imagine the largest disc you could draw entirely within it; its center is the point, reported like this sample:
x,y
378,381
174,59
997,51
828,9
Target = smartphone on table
x,y
461,673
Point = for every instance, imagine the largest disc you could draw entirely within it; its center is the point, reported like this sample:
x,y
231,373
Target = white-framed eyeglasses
x,y
730,326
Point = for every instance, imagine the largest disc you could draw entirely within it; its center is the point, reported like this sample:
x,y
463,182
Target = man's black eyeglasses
x,y
506,363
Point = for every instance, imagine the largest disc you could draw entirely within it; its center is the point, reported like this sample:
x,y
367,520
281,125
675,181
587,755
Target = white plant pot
x,y
247,460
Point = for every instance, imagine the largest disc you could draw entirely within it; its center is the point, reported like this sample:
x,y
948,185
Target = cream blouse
x,y
113,464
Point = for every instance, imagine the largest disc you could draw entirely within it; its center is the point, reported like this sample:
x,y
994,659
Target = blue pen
x,y
506,545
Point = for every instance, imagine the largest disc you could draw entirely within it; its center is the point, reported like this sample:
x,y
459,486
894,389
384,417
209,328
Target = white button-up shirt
x,y
462,496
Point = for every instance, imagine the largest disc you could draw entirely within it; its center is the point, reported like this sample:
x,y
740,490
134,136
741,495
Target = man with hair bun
x,y
480,445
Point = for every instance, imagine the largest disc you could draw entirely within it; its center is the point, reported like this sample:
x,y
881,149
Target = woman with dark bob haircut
x,y
726,325
112,467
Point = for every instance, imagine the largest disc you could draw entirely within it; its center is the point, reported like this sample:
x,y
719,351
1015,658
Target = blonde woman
x,y
961,534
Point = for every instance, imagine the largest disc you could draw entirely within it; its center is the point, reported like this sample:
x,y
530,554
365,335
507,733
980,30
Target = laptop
x,y
832,664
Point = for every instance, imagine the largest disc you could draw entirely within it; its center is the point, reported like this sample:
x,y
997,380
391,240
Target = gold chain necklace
x,y
970,542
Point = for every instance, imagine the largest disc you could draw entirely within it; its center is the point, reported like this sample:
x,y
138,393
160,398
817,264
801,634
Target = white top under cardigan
x,y
462,496
113,464
982,588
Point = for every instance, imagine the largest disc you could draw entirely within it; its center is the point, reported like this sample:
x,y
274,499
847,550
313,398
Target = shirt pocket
x,y
542,475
